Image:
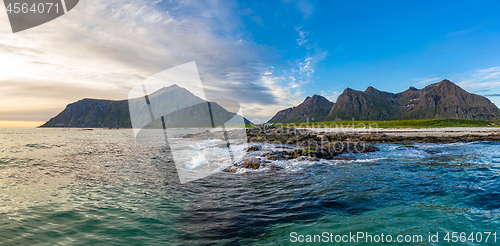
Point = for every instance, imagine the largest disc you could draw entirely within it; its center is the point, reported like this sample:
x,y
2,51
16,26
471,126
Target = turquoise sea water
x,y
77,187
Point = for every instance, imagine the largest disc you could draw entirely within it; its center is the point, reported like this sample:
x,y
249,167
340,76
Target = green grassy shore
x,y
431,123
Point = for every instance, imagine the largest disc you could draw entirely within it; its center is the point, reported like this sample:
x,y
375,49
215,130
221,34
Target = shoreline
x,y
328,144
316,144
441,131
444,131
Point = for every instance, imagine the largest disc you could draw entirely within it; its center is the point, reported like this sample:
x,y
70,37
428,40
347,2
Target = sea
x,y
102,187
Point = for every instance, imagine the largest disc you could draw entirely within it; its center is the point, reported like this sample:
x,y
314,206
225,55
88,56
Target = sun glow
x,y
20,123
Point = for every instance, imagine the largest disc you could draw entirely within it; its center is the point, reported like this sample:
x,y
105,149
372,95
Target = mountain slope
x,y
315,108
370,104
116,114
443,100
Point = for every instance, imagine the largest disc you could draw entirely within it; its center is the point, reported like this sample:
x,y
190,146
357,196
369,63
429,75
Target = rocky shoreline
x,y
293,143
303,144
264,133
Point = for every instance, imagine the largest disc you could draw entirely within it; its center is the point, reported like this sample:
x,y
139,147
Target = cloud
x,y
485,81
331,96
49,90
482,80
426,81
286,82
41,100
302,36
307,66
467,31
23,114
103,48
304,6
304,68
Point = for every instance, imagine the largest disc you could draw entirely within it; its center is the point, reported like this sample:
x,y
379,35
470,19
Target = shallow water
x,y
69,186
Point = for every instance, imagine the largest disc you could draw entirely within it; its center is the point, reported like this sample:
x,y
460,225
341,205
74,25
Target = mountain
x,y
315,107
185,110
363,105
93,113
443,100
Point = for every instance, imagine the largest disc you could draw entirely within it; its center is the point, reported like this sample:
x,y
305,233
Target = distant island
x,y
99,113
443,100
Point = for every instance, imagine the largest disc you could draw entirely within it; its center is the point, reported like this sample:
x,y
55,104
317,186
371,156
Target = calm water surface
x,y
70,186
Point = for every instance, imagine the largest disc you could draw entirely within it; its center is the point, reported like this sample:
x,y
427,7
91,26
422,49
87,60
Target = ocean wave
x,y
205,144
197,161
369,159
38,146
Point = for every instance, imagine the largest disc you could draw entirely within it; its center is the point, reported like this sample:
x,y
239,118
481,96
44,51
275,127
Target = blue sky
x,y
267,55
390,45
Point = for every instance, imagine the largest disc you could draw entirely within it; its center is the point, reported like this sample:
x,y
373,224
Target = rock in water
x,y
252,162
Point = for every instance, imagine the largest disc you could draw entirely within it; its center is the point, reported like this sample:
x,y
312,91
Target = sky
x,y
267,55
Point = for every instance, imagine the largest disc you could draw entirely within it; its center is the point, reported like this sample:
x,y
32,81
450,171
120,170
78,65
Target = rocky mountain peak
x,y
110,113
315,99
442,100
445,81
173,87
371,89
348,90
312,108
445,86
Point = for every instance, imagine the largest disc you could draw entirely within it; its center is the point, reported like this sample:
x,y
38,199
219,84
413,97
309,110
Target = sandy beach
x,y
446,131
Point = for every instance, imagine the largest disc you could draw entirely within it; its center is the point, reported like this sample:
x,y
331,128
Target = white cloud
x,y
331,96
307,66
108,46
427,81
304,6
100,49
481,81
285,83
302,36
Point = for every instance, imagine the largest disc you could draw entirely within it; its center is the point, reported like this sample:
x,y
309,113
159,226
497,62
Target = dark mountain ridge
x,y
99,113
442,100
314,108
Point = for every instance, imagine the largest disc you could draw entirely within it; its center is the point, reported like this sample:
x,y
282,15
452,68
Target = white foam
x,y
369,160
197,161
204,144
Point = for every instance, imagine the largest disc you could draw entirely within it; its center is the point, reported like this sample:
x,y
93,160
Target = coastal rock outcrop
x,y
305,145
299,144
